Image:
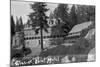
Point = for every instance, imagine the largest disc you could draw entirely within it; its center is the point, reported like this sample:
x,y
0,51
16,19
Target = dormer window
x,y
52,22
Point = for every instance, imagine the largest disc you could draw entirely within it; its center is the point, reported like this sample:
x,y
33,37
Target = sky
x,y
22,8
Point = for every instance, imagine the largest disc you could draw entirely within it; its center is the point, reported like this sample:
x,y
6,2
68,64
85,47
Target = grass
x,y
81,47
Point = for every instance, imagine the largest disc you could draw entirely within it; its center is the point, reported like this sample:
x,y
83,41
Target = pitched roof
x,y
80,27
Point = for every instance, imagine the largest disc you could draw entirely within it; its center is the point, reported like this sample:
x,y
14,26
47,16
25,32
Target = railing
x,y
66,36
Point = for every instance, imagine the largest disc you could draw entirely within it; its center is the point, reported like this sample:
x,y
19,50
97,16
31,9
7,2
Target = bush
x,y
19,53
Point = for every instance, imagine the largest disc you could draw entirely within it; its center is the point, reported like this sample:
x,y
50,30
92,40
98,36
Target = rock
x,y
91,55
65,60
90,34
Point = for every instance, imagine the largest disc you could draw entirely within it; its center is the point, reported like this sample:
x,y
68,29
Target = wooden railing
x,y
66,36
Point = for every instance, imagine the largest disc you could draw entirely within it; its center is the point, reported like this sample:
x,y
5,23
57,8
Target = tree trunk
x,y
41,32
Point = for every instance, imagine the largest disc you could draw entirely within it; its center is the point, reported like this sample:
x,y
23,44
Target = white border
x,y
5,32
85,2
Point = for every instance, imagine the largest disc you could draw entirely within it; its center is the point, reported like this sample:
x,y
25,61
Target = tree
x,y
85,13
21,27
62,12
60,15
17,27
28,23
12,28
90,11
68,19
39,18
21,24
73,16
20,30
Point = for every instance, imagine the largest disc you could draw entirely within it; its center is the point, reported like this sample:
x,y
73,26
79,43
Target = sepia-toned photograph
x,y
51,33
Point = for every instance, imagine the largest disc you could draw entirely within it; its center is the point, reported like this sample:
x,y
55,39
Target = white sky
x,y
19,8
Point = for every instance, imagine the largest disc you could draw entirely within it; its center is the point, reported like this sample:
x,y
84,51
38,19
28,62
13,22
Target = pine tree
x,y
73,16
12,26
39,18
28,23
85,13
17,27
21,24
62,12
90,11
21,27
